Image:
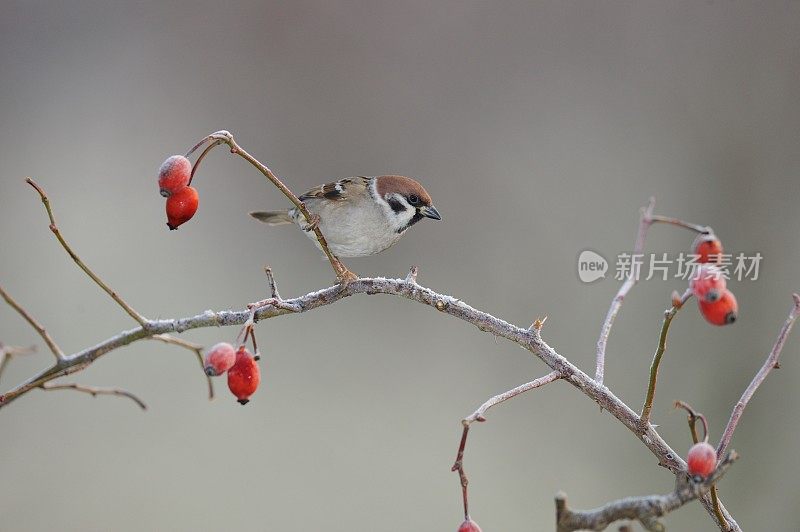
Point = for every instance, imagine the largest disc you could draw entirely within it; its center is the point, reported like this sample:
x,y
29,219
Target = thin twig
x,y
275,299
723,523
141,320
338,267
57,352
645,221
644,509
478,415
273,286
191,346
662,345
770,363
459,466
94,392
692,418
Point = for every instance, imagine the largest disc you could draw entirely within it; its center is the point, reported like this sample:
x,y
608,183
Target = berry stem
x,y
247,329
253,339
693,416
201,157
196,146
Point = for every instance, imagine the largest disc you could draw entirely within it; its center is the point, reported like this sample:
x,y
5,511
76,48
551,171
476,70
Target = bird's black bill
x,y
430,212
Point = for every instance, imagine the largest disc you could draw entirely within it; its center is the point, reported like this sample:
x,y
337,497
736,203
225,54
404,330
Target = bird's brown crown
x,y
402,185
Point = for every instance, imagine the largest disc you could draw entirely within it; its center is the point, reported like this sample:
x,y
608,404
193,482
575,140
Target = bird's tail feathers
x,y
273,217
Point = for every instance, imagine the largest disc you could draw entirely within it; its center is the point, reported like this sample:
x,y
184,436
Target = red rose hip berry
x,y
701,460
469,526
244,376
219,359
174,175
708,248
723,311
181,206
707,283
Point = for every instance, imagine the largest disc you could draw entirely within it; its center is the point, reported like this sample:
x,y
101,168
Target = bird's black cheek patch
x,y
417,217
396,205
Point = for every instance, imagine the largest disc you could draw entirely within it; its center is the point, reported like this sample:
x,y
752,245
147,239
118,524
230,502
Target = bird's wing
x,y
338,190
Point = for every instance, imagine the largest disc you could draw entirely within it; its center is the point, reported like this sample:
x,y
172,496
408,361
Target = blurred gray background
x,y
539,128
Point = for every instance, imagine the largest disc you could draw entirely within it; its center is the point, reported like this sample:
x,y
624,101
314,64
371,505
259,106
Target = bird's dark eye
x,y
413,199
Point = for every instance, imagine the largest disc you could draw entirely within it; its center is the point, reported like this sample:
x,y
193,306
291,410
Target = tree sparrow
x,y
360,216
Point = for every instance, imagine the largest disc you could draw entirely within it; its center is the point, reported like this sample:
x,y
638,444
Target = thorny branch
x,y
350,284
529,339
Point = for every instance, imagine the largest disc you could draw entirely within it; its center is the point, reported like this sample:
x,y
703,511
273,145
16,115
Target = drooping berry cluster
x,y
244,374
717,304
174,177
